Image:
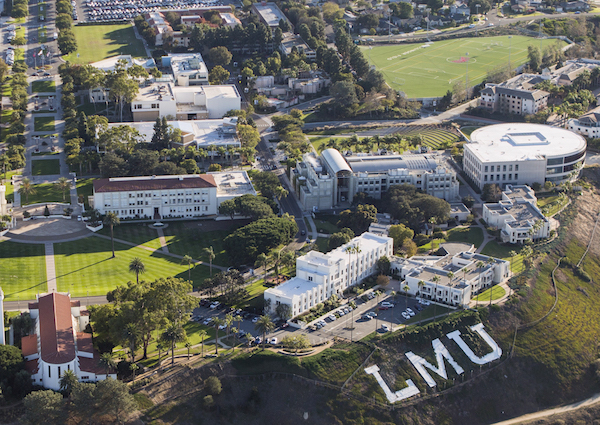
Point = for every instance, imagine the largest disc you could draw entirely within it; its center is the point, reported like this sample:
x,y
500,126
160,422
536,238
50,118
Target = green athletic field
x,y
431,69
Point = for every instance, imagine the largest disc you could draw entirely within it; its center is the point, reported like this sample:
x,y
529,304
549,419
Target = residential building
x,y
158,197
587,125
511,97
517,216
521,153
450,279
159,100
319,276
162,28
58,343
568,73
291,40
188,69
198,133
269,14
459,211
331,179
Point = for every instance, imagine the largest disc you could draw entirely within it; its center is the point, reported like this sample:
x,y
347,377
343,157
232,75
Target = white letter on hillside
x,y
494,355
410,391
441,352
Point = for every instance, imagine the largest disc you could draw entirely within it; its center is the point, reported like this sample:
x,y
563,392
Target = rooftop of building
x,y
458,208
511,142
291,40
519,202
233,183
379,163
205,133
109,64
161,92
186,63
270,13
293,287
132,184
57,339
211,92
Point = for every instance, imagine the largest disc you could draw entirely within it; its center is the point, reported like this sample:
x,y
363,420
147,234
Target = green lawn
x,y
9,187
86,267
45,192
472,235
428,313
45,167
497,293
323,244
138,233
43,123
97,42
7,87
23,270
85,187
494,249
431,69
326,226
43,86
550,205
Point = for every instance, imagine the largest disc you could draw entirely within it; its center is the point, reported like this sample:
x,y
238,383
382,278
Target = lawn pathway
x,y
50,267
163,241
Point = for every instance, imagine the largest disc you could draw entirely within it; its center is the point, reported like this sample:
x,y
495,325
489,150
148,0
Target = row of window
x,y
510,168
510,178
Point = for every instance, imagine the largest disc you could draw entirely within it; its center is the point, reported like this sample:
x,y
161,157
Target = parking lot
x,y
351,326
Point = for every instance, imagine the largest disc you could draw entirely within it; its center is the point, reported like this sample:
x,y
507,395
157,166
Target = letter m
x,y
441,353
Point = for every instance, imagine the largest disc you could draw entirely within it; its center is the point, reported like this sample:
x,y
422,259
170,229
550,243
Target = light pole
x,y
509,46
467,80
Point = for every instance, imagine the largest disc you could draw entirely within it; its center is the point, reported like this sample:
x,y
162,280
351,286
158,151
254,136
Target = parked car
x,y
255,319
223,326
207,321
366,317
372,314
331,317
387,304
410,312
257,340
214,305
273,341
417,307
341,312
405,315
385,328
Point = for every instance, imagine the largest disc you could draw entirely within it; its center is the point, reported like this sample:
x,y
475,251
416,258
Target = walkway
x,y
163,241
50,267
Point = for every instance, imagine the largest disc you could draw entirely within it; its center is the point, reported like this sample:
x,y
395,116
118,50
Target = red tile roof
x,y
124,184
29,345
32,366
56,329
92,365
84,342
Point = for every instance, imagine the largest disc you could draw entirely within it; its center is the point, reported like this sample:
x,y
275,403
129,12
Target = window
x,y
59,371
154,106
504,168
516,167
49,372
516,176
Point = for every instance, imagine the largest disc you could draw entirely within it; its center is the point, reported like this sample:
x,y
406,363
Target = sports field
x,y
431,69
97,42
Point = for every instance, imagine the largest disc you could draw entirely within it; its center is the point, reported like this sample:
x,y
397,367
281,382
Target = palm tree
x,y
512,254
160,349
112,220
450,276
202,334
228,322
406,288
131,335
107,362
420,284
63,184
133,367
234,331
188,260
264,325
435,279
172,335
188,345
433,222
210,253
491,261
249,338
26,188
280,192
238,319
263,261
137,266
68,381
216,323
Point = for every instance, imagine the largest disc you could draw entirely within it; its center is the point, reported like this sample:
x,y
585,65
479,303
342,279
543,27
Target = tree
x,y
26,188
383,265
340,238
218,75
296,342
114,399
213,385
535,58
202,334
107,362
18,41
331,11
131,337
137,266
112,220
217,322
188,260
409,247
219,55
67,382
42,407
67,42
435,279
284,311
173,334
83,401
266,182
264,325
133,367
399,233
11,363
262,260
359,220
210,253
344,93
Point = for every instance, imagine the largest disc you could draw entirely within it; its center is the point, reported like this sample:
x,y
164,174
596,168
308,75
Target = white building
x,y
158,197
198,133
587,125
59,343
459,277
319,276
507,100
270,14
188,69
291,40
159,100
519,154
517,216
331,179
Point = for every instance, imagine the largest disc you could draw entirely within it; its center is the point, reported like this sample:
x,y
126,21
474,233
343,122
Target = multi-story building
x,y
291,40
507,100
450,279
270,14
199,133
159,100
587,125
517,216
58,343
319,276
158,197
188,69
331,179
523,154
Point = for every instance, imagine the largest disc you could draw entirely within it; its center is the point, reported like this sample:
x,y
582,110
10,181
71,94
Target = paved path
x,y
163,241
50,267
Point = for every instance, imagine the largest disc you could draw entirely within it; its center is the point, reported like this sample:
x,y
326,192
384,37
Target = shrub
x,y
208,402
213,385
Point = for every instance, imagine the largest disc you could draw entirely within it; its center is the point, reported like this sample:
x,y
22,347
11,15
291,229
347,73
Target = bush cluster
x,y
66,39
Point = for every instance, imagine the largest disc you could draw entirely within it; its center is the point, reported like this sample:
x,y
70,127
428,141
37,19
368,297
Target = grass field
x,y
23,270
45,192
97,42
497,293
86,267
10,189
45,86
45,167
85,187
43,123
430,70
502,251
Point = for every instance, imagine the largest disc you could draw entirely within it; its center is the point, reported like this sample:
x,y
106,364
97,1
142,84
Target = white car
x,y
341,313
385,328
405,315
387,304
207,321
331,317
273,341
223,326
214,305
255,319
424,302
410,312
